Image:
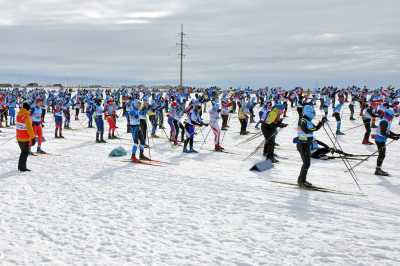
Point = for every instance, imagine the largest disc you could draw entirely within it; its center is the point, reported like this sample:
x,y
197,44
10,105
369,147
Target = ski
x,y
347,157
151,160
38,153
129,161
321,189
224,152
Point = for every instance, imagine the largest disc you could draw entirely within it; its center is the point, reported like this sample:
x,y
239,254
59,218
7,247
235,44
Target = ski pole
x,y
223,136
355,127
369,156
351,173
206,138
82,126
169,140
250,139
117,134
7,141
151,138
263,142
68,124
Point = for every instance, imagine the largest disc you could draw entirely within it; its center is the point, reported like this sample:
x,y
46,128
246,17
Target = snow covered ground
x,y
85,208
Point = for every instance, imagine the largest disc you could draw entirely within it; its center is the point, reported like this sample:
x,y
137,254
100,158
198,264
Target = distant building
x,y
57,86
95,86
32,85
16,86
7,85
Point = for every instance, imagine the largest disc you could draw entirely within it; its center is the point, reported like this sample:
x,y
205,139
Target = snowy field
x,y
85,208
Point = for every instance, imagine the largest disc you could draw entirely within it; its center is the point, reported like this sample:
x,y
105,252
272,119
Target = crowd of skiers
x,y
144,111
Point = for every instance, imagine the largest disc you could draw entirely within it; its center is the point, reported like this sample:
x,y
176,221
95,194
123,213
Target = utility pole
x,y
181,54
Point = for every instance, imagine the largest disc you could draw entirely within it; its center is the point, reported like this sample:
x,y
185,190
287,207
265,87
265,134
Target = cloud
x,y
249,43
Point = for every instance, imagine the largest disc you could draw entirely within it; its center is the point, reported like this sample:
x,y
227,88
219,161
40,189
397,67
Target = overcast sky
x,y
259,43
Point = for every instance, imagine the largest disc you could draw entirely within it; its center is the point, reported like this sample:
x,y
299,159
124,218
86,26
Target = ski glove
x,y
33,142
94,115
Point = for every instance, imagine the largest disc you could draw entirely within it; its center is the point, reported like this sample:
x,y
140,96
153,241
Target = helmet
x,y
280,106
153,102
216,105
174,104
389,114
309,112
136,102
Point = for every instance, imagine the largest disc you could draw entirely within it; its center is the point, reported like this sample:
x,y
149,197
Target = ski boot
x,y
61,136
192,150
42,125
7,125
304,185
217,148
109,136
56,136
153,135
185,150
146,146
113,136
338,132
39,150
103,141
134,159
308,184
272,159
142,157
366,142
256,127
97,140
224,128
30,152
379,171
374,126
351,118
176,143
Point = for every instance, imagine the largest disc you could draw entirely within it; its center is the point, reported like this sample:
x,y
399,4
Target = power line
x,y
294,33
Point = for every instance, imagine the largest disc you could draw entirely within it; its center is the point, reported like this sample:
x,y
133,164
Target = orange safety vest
x,y
22,132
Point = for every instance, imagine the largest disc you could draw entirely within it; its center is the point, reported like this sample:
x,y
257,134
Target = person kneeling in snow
x,y
321,153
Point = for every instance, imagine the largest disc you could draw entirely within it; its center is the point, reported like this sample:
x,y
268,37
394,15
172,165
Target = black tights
x,y
367,124
244,125
304,150
382,153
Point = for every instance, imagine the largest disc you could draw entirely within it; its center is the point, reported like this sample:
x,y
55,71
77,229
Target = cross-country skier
x,y
270,122
336,114
305,130
58,116
98,119
36,114
368,115
382,134
137,134
214,118
320,153
192,120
